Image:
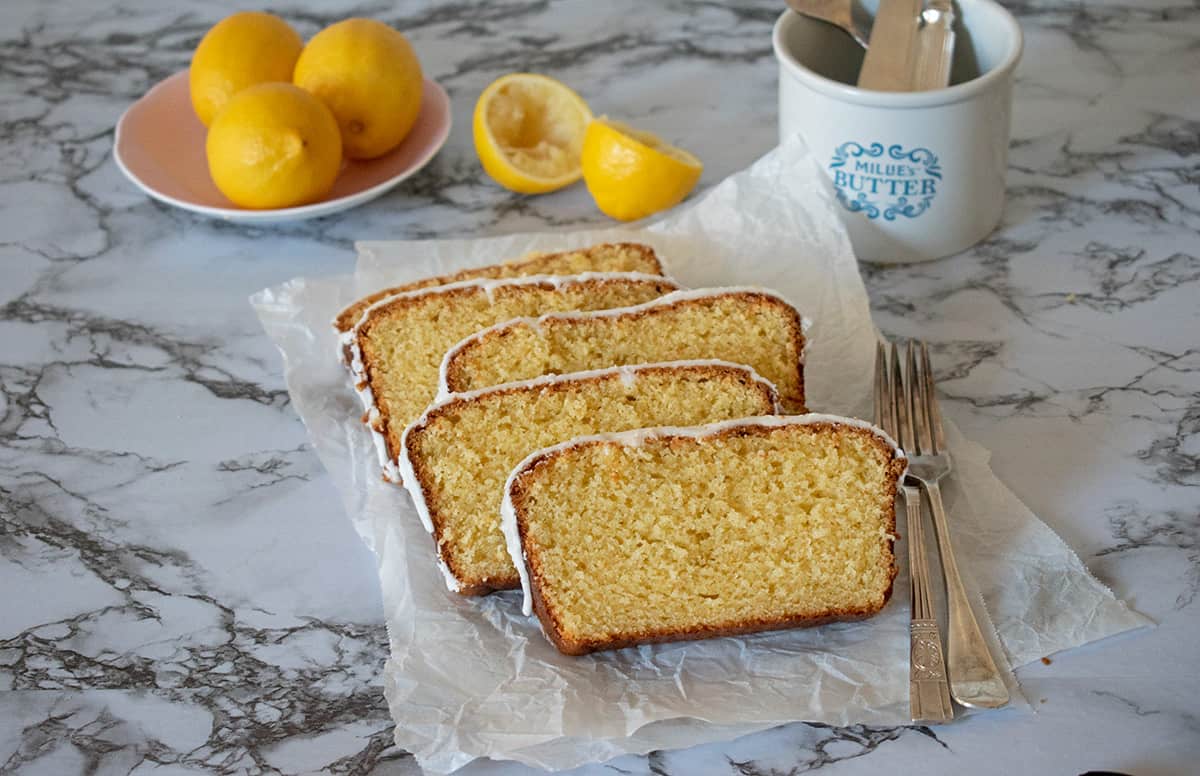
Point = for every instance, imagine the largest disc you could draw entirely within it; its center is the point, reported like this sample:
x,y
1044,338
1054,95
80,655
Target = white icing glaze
x,y
408,476
362,387
512,542
348,340
367,248
452,583
637,438
488,286
627,371
666,300
627,375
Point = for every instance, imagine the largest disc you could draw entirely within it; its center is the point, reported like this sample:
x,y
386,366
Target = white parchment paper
x,y
473,678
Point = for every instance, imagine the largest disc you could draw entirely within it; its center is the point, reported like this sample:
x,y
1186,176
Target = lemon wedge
x,y
529,132
632,174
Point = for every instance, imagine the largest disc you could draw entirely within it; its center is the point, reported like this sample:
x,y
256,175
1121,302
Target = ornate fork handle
x,y
974,679
928,690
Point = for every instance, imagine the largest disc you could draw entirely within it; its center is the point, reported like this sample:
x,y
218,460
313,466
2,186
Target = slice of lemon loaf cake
x,y
456,457
685,533
606,257
745,325
397,347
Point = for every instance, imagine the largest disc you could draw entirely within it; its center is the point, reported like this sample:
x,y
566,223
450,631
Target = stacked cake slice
x,y
606,257
751,326
458,455
667,534
398,345
612,444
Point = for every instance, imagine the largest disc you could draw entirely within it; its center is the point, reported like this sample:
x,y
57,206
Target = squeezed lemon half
x,y
529,133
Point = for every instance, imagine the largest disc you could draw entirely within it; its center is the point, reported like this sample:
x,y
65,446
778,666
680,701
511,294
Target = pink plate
x,y
159,145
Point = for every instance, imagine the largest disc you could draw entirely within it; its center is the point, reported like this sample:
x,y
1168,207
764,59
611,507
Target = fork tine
x,y
935,412
902,417
917,391
881,396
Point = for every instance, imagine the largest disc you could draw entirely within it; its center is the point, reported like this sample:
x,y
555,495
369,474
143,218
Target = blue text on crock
x,y
888,181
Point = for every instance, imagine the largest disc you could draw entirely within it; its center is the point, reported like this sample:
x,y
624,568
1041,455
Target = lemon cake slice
x,y
456,457
686,533
746,325
606,257
397,347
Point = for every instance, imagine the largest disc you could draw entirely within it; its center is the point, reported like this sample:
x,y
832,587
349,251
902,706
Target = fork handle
x,y
928,689
974,679
928,695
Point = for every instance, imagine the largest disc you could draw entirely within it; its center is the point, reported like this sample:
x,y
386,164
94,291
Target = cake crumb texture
x,y
463,450
746,327
753,528
402,342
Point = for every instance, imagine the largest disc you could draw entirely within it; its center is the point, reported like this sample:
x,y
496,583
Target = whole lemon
x,y
273,146
242,50
369,76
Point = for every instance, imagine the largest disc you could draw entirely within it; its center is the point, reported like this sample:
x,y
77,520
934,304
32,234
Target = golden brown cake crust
x,y
792,401
552,626
529,265
382,423
412,441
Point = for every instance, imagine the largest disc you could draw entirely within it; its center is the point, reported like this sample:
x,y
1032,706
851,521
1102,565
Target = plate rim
x,y
299,212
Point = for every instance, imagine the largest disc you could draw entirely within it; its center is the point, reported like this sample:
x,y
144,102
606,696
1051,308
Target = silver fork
x,y
974,679
928,692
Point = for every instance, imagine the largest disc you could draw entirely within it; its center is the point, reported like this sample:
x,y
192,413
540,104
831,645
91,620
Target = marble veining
x,y
179,589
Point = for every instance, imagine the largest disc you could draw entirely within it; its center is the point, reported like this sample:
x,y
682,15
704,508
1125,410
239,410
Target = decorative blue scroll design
x,y
924,161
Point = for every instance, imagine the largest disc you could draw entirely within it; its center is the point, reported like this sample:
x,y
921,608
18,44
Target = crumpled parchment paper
x,y
471,677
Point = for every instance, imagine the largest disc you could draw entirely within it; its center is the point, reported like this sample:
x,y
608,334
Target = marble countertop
x,y
179,589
